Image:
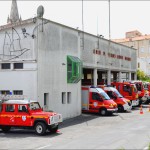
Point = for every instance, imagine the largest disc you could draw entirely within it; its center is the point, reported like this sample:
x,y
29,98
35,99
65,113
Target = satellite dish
x,y
40,11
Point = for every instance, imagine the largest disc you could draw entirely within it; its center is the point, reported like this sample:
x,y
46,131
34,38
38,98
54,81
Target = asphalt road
x,y
88,131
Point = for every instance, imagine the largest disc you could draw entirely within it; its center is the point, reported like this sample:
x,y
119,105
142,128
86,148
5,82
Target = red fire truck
x,y
122,103
140,88
29,114
146,97
127,90
94,99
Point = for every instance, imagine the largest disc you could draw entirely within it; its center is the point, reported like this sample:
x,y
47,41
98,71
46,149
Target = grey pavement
x,y
87,131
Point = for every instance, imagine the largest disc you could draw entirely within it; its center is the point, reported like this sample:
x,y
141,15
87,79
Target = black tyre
x,y
120,108
5,128
53,129
40,128
103,111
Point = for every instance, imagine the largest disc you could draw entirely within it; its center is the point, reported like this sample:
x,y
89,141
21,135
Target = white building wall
x,y
105,62
26,81
143,65
16,47
44,50
54,44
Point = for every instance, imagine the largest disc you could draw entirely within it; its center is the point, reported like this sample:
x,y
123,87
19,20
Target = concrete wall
x,y
45,62
54,44
16,47
102,61
20,80
143,52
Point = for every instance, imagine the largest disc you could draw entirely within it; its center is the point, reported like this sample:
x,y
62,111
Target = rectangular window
x,y
5,92
46,96
89,76
22,108
5,66
0,107
142,49
68,97
74,69
18,65
138,65
63,97
10,108
18,92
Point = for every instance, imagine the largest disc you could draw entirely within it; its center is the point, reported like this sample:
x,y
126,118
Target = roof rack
x,y
12,97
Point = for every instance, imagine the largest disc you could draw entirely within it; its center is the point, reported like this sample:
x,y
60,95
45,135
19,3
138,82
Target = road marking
x,y
43,147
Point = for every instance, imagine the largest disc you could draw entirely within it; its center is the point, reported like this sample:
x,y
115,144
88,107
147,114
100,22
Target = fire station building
x,y
49,62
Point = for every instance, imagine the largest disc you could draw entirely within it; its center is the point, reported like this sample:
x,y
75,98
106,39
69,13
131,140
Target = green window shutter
x,y
74,69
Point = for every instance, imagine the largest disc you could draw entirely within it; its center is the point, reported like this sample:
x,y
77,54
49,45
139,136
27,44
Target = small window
x,y
5,92
95,96
0,107
18,92
18,65
110,94
63,97
10,108
5,66
46,99
126,88
22,108
68,97
138,65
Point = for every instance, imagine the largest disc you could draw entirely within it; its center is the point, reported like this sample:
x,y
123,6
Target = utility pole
x,y
109,71
82,27
109,21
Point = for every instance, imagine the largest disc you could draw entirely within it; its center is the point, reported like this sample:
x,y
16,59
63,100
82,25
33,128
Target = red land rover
x,y
25,113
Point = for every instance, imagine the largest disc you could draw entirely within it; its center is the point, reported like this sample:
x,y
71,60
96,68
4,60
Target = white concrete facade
x,y
43,48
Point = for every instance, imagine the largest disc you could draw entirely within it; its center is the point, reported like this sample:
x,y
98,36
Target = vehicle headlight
x,y
111,105
52,118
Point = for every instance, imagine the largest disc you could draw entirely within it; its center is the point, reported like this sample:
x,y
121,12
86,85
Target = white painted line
x,y
44,146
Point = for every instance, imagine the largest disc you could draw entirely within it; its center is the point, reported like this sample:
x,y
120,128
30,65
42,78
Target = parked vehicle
x,y
140,88
146,97
122,103
29,114
95,99
127,90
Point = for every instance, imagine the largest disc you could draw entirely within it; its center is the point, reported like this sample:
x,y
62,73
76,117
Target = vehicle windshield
x,y
34,105
139,86
118,94
104,96
134,88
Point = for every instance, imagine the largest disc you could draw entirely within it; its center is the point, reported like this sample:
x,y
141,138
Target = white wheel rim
x,y
103,112
39,129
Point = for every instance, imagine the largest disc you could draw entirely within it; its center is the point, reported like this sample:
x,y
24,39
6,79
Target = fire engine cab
x,y
96,100
26,113
141,91
128,90
122,103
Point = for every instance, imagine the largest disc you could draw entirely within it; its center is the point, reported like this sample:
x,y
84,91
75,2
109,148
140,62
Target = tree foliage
x,y
142,76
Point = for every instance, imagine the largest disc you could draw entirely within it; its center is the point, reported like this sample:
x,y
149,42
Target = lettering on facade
x,y
99,52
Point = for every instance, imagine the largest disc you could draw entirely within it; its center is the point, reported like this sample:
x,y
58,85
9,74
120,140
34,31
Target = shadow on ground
x,y
83,118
